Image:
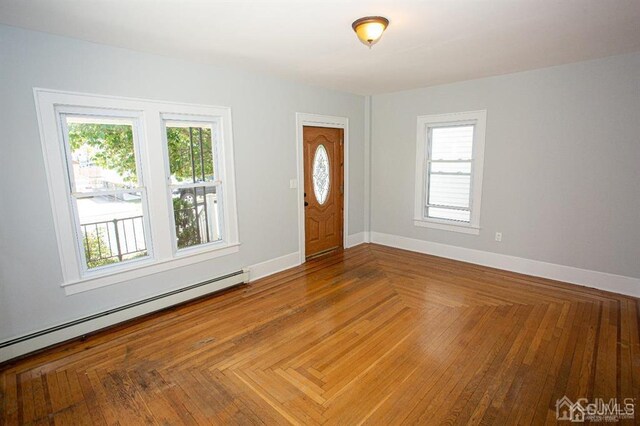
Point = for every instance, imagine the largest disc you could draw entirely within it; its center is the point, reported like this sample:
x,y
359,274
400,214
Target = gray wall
x,y
561,176
562,163
263,111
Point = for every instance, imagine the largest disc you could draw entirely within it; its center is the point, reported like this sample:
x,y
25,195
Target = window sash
x,y
445,206
195,184
89,194
115,117
436,218
126,264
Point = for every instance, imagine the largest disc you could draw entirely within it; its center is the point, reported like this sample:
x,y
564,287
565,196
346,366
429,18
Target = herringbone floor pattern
x,y
372,334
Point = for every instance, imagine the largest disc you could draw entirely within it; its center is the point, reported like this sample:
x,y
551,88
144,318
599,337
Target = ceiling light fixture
x,y
370,28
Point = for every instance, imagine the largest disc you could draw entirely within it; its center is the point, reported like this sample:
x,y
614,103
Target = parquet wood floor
x,y
370,335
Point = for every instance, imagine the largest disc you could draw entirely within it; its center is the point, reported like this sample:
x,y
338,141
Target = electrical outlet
x,y
498,236
293,183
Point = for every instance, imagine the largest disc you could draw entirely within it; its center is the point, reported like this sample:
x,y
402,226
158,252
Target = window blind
x,y
450,163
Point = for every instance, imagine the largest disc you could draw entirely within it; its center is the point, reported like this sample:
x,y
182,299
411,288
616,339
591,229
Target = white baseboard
x,y
41,339
600,280
356,239
270,267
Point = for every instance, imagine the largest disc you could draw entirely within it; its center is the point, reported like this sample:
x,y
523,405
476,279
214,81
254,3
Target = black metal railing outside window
x,y
113,241
192,212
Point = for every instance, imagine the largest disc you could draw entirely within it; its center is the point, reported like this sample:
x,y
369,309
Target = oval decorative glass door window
x,y
321,176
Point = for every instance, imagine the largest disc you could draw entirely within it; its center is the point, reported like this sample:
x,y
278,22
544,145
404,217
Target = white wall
x,y
562,163
263,110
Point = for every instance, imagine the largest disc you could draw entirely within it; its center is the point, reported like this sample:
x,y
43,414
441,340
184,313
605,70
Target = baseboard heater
x,y
31,342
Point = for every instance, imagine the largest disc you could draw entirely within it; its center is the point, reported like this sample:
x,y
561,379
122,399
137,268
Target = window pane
x,y
449,190
449,214
197,215
452,143
102,153
438,167
321,176
190,150
112,228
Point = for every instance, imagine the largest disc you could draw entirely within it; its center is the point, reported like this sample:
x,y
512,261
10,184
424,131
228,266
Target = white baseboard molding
x,y
356,239
272,266
41,339
599,280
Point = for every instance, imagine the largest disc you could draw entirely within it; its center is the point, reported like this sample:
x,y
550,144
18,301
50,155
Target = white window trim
x,y
154,169
479,118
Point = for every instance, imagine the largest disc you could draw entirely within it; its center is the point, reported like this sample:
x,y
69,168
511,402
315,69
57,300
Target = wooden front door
x,y
323,189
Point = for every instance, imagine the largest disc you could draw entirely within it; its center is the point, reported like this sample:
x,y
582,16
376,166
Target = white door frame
x,y
303,119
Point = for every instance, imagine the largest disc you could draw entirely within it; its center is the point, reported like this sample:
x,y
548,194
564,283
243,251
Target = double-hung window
x,y
194,182
449,159
136,186
106,186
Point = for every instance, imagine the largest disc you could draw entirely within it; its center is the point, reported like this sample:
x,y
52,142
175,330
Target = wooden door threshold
x,y
323,253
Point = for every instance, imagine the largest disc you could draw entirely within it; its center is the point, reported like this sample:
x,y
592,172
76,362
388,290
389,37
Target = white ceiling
x,y
427,42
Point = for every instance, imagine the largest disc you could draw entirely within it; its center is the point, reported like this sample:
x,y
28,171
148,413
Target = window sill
x,y
445,226
148,268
